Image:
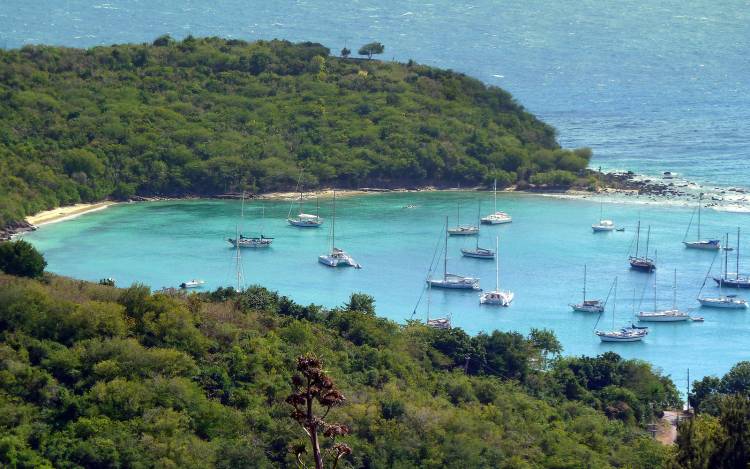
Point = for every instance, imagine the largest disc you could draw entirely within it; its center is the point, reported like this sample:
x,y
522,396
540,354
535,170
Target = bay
x,y
542,256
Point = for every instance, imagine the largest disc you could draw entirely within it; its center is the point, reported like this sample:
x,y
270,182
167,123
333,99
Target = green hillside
x,y
95,376
209,116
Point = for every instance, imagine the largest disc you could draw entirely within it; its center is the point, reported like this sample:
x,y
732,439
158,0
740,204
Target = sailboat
x,y
664,315
437,323
722,301
497,217
337,257
478,252
243,241
736,281
625,334
642,263
588,306
452,281
462,230
603,225
497,297
304,220
704,244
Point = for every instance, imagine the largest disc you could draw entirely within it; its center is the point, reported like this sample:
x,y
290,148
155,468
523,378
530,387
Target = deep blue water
x,y
650,86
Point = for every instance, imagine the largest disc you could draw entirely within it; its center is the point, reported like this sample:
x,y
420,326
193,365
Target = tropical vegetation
x,y
209,116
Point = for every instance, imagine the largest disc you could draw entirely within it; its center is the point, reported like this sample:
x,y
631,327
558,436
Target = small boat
x,y
337,257
452,281
620,230
497,297
668,175
243,241
667,315
462,230
722,301
642,263
737,280
436,323
192,283
304,220
603,225
697,318
498,217
625,334
702,244
588,306
478,252
410,206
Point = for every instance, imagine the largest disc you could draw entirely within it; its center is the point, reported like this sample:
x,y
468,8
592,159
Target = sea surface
x,y
542,257
650,86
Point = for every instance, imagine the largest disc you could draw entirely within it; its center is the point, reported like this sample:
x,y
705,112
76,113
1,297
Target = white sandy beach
x,y
66,213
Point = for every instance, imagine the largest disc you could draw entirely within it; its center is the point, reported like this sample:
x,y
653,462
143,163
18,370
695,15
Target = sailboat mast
x,y
429,299
737,273
584,283
333,223
648,240
655,308
238,259
700,197
445,254
495,194
601,210
674,291
479,216
614,305
726,258
637,238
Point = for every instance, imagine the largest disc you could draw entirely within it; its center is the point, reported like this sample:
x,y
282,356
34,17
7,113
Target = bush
x,y
22,259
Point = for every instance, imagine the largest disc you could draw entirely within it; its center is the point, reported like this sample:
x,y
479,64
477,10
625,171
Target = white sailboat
x,y
497,217
478,252
304,220
722,301
734,280
642,263
462,230
497,297
603,225
194,283
437,323
664,315
243,241
703,244
452,281
625,334
588,306
337,257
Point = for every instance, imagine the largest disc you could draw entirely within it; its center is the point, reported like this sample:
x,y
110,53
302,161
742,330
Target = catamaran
x,y
462,230
734,280
497,217
478,252
665,315
588,306
704,244
642,263
722,301
337,257
603,225
452,281
243,241
497,297
625,334
304,220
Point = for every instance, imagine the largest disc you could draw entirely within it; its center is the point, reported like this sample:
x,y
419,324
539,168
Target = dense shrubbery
x,y
209,116
21,258
95,376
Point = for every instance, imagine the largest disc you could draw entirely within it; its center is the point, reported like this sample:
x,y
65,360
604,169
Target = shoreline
x,y
613,187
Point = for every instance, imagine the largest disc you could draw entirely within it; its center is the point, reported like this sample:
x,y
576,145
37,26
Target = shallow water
x,y
542,256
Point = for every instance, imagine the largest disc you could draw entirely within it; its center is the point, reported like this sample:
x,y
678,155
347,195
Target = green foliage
x,y
208,116
93,376
21,258
371,48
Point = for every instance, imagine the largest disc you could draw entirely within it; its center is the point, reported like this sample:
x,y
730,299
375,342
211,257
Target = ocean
x,y
649,86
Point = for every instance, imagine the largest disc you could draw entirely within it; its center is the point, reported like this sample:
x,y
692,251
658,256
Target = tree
x,y
362,303
371,49
22,259
309,386
345,52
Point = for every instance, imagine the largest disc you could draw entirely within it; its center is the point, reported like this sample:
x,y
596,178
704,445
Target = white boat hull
x,y
478,254
496,219
338,259
497,298
723,303
663,316
463,231
702,245
605,338
455,283
599,229
251,242
587,308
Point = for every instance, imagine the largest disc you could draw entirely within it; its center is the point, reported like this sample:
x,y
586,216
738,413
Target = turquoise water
x,y
542,256
650,86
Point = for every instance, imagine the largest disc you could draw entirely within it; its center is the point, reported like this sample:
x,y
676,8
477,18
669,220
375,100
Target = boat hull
x,y
496,219
495,298
587,309
482,254
304,223
338,261
463,231
662,317
454,284
703,245
251,243
733,283
605,338
720,303
642,264
601,229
